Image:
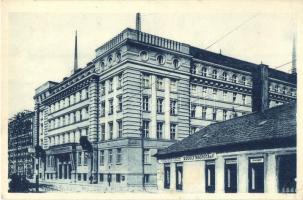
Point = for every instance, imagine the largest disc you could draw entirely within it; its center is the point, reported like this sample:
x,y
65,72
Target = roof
x,y
271,125
220,59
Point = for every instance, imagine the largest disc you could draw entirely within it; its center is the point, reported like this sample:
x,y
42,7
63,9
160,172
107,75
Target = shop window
x,y
146,178
256,175
230,176
84,177
179,176
101,177
79,177
210,176
287,173
118,178
166,176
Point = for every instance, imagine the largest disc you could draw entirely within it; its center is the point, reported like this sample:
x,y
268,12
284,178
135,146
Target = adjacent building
x,y
20,140
255,153
141,93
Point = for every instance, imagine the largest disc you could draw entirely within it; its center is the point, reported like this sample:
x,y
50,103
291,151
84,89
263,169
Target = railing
x,y
144,38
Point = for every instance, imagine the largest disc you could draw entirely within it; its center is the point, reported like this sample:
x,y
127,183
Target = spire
x,y
294,56
138,22
76,54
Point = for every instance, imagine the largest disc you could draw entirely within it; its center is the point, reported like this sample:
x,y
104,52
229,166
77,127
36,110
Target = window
x,y
146,156
193,69
119,84
224,95
144,55
173,104
234,78
244,80
173,85
145,81
230,176
110,85
79,177
215,94
159,130
84,177
102,132
204,71
204,112
160,59
167,176
193,89
102,65
101,157
102,110
101,177
176,63
193,130
210,176
118,178
85,158
224,76
214,74
120,129
110,60
146,178
111,107
110,127
214,114
276,88
179,176
256,175
224,115
234,97
119,156
118,56
287,173
159,105
160,85
145,129
120,104
145,106
204,91
284,90
193,110
79,158
173,128
243,99
110,156
102,88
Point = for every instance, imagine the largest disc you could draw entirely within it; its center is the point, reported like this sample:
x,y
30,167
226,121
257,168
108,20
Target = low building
x,y
255,153
20,139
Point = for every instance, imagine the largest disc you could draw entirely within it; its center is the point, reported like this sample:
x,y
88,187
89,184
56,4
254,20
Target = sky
x,y
40,44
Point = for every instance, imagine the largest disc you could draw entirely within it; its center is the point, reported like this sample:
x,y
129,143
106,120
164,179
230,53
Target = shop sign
x,y
256,160
198,157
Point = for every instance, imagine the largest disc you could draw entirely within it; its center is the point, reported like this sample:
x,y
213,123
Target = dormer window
x,y
160,59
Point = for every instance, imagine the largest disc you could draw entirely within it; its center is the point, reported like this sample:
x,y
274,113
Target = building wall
x,y
195,182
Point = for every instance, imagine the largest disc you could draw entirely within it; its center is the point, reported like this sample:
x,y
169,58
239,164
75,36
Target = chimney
x,y
76,55
294,56
260,99
138,22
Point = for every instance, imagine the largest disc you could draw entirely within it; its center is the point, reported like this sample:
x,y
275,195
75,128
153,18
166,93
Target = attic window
x,y
262,123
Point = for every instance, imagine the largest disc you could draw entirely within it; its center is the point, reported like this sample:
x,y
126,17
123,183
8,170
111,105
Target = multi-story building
x,y
139,94
20,140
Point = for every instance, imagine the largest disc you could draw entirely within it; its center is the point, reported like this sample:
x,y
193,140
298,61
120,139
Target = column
x,y
219,173
166,109
270,182
243,174
153,108
93,127
173,176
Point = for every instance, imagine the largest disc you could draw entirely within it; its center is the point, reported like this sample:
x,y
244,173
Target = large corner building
x,y
142,86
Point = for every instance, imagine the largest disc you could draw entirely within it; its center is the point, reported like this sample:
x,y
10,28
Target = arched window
x,y
144,55
234,78
244,80
71,99
214,74
66,102
204,71
224,76
84,94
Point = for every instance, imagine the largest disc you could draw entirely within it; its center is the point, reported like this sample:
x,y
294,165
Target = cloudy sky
x,y
40,34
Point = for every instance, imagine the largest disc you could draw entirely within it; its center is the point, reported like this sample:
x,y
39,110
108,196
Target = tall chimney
x,y
76,55
260,99
138,22
294,56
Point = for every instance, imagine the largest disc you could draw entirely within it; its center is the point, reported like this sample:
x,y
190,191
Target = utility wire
x,y
234,29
